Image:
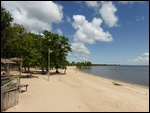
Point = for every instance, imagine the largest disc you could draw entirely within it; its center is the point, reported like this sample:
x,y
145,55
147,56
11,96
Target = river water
x,y
135,74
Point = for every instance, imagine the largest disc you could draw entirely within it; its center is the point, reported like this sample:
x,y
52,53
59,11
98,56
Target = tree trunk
x,y
18,67
65,71
46,70
25,69
57,71
43,72
5,68
8,70
28,69
36,69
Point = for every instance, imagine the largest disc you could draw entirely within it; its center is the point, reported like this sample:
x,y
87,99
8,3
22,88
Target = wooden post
x,y
60,75
7,69
48,62
20,69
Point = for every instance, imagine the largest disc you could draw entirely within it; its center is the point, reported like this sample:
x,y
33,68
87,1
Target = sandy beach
x,y
78,91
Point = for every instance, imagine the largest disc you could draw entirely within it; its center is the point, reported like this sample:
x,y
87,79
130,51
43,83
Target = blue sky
x,y
101,32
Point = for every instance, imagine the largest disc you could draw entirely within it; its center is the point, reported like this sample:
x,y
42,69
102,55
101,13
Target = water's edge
x,y
130,74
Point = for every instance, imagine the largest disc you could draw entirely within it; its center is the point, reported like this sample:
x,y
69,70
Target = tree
x,y
9,33
83,64
73,63
59,46
13,41
32,48
6,19
31,54
88,64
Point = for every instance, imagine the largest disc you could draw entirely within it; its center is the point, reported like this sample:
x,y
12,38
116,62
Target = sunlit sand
x,y
77,91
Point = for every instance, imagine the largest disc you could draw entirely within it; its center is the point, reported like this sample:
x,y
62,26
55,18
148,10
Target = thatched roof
x,y
7,61
15,59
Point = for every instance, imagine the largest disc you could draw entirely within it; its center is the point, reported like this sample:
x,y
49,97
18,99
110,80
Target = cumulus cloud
x,y
78,21
93,4
35,15
89,32
107,12
59,32
144,58
80,49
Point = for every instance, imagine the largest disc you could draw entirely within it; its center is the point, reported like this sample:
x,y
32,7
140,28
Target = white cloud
x,y
80,51
35,15
145,54
89,32
143,59
78,21
131,2
93,4
59,32
107,12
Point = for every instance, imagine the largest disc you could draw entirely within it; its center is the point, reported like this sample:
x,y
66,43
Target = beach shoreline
x,y
116,80
79,91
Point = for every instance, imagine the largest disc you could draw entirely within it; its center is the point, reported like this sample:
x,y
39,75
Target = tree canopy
x,y
83,64
32,48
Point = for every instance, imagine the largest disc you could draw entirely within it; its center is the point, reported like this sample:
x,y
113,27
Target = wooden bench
x,y
22,85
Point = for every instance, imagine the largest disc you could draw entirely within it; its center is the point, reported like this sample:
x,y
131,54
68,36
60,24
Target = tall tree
x,y
32,48
31,45
6,19
12,41
59,46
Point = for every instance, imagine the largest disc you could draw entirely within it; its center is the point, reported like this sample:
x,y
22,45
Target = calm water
x,y
132,74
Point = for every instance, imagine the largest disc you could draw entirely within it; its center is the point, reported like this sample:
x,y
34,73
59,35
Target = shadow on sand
x,y
31,75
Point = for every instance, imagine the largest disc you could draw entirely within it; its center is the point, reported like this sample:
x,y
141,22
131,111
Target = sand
x,y
78,91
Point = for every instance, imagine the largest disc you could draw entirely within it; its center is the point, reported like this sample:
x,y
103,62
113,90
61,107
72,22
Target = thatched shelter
x,y
9,87
7,63
15,59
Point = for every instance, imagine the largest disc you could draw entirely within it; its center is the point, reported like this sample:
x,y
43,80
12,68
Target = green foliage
x,y
32,48
72,64
11,41
59,46
83,64
6,19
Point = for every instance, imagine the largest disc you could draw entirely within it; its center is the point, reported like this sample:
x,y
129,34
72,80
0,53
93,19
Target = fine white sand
x,y
77,91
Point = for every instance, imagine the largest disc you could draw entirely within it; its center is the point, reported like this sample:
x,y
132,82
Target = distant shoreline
x,y
116,79
119,81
